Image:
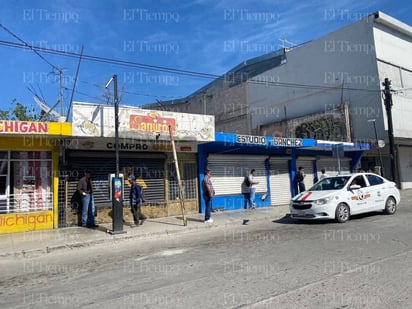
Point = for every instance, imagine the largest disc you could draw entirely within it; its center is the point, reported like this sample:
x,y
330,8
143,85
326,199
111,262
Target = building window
x,y
25,181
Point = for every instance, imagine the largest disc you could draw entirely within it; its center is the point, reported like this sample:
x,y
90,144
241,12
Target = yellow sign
x,y
36,128
28,221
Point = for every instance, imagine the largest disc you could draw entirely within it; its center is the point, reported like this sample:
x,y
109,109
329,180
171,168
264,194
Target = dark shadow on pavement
x,y
367,215
287,219
100,228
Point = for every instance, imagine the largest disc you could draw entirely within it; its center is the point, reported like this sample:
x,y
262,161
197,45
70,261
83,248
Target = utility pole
x,y
377,146
388,106
117,182
181,195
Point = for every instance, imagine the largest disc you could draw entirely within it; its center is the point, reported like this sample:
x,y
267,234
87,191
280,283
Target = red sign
x,y
152,123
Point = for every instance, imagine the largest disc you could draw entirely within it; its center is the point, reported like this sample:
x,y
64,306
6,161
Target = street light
x,y
378,145
116,119
117,184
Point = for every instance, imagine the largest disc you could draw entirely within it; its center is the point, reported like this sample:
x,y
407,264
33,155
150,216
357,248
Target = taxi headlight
x,y
323,201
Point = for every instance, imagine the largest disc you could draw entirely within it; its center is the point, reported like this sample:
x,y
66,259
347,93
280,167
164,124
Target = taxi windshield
x,y
330,183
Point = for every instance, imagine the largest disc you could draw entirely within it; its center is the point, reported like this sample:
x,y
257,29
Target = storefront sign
x,y
251,139
128,146
28,221
287,142
33,128
152,123
131,145
19,127
94,120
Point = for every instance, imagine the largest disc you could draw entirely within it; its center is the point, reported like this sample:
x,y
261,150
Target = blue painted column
x,y
293,168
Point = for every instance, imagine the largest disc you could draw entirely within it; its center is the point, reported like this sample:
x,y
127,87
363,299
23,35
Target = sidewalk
x,y
41,242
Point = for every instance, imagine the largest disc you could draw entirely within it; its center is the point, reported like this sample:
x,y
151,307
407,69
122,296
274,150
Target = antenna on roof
x,y
48,111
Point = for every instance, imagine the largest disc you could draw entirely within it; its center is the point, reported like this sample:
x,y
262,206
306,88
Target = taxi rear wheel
x,y
390,206
342,213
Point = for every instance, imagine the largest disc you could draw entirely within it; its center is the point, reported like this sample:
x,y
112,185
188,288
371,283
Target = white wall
x,y
345,56
393,51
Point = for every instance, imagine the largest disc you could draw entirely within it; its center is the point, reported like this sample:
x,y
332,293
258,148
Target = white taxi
x,y
341,196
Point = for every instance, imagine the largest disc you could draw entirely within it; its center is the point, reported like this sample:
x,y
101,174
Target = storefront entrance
x,y
26,194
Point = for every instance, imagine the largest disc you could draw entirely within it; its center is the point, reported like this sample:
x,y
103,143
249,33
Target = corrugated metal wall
x,y
149,167
229,171
279,181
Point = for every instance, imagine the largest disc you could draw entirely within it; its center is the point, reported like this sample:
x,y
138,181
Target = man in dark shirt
x,y
85,188
208,193
300,175
136,199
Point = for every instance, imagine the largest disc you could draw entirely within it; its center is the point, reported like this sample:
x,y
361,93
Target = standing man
x,y
245,188
84,186
208,193
136,199
252,186
300,176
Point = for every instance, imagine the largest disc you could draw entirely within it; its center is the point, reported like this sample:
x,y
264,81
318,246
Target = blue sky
x,y
202,36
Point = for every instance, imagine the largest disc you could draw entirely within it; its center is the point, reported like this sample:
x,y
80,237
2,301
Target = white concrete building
x,y
329,88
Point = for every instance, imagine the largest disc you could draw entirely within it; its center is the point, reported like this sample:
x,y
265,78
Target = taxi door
x,y
378,191
360,198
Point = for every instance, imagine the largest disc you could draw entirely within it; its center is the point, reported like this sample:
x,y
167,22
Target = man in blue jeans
x,y
86,191
136,200
252,186
208,193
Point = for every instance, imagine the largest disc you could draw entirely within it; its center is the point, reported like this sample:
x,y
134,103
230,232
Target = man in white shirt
x,y
323,175
252,186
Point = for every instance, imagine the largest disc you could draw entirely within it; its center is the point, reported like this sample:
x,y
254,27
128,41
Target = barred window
x,y
188,181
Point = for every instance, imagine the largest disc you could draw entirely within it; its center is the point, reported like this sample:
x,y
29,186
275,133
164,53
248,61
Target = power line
x,y
134,93
111,61
29,47
230,79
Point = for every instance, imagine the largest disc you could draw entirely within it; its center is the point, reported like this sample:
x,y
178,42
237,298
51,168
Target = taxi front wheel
x,y
390,206
342,213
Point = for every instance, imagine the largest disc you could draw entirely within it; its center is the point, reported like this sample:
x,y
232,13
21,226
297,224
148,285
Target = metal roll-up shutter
x,y
229,171
307,164
280,191
331,165
148,167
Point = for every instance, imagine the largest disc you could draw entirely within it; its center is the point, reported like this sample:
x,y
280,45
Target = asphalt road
x,y
364,263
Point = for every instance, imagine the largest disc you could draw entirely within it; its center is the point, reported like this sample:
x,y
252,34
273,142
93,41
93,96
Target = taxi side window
x,y
374,180
359,181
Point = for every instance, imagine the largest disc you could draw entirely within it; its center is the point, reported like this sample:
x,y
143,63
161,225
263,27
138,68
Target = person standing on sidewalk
x,y
84,186
136,199
300,177
245,188
208,193
252,186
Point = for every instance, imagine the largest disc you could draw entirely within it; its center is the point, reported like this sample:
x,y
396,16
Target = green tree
x,y
19,113
4,115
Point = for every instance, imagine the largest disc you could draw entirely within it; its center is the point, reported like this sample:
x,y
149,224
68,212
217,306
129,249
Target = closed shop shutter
x,y
405,166
307,164
332,167
280,191
229,171
148,167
